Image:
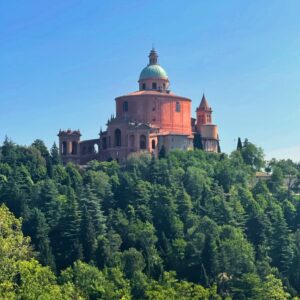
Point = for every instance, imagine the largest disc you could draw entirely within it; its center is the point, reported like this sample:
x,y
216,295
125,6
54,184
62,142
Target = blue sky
x,y
62,63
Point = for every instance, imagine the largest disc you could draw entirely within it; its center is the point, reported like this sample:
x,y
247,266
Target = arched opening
x,y
154,86
153,144
125,106
90,149
104,143
117,137
143,143
96,148
74,148
177,107
64,148
132,141
144,86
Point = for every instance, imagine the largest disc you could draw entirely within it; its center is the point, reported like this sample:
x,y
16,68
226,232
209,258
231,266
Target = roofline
x,y
153,78
158,94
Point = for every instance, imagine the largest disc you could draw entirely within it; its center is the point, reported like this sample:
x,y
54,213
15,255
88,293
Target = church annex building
x,y
147,120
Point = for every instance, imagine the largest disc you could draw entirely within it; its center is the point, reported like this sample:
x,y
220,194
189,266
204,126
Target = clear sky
x,y
62,63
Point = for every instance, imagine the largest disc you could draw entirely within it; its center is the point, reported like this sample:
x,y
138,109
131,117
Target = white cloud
x,y
285,153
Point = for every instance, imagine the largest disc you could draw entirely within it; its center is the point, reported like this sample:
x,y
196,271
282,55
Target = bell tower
x,y
205,128
204,113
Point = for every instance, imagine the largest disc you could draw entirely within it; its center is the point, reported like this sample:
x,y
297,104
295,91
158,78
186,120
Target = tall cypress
x,y
88,235
239,146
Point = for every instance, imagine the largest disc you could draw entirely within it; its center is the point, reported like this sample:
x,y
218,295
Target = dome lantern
x,y
153,57
153,76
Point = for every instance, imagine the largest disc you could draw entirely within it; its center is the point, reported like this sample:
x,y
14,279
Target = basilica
x,y
152,119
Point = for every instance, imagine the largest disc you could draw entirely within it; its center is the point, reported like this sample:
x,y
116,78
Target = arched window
x,y
91,149
104,143
153,144
177,107
164,86
154,86
125,106
96,148
144,86
117,137
74,148
64,148
132,141
143,142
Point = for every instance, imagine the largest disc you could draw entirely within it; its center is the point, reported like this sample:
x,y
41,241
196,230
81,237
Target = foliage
x,y
189,225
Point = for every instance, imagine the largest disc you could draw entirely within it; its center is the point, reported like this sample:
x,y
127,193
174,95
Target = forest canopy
x,y
187,225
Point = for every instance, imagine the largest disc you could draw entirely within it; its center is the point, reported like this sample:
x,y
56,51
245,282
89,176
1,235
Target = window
x,y
64,148
177,107
144,86
142,142
118,138
154,86
125,106
132,141
96,148
164,86
201,119
74,148
208,118
153,144
104,143
83,152
90,149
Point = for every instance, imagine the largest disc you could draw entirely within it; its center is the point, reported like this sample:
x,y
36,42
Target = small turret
x,y
69,145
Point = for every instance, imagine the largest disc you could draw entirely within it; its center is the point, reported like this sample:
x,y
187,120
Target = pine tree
x,y
66,235
36,226
93,205
239,144
54,155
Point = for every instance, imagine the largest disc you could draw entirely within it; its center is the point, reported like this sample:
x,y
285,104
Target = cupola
x,y
153,76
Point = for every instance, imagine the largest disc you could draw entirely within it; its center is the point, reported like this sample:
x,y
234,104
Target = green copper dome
x,y
153,71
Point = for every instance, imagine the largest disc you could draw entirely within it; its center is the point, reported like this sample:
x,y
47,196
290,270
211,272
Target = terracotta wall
x,y
159,110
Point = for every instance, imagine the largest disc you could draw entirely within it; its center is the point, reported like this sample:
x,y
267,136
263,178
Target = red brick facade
x,y
146,120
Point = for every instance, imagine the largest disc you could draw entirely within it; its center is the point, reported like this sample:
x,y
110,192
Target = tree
x,y
133,261
66,234
54,155
36,226
21,276
162,152
253,155
239,146
272,288
88,235
198,141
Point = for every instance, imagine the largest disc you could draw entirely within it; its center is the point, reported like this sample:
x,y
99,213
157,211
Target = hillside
x,y
191,225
